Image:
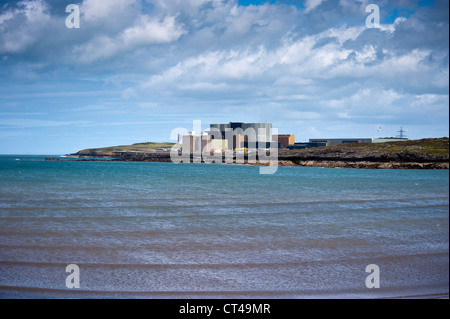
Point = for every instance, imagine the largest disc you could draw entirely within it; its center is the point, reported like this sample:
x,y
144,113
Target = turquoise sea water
x,y
156,230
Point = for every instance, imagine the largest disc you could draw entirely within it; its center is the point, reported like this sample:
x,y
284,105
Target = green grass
x,y
430,146
138,147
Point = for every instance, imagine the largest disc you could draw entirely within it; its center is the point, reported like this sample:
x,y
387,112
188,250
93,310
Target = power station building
x,y
284,140
321,142
196,144
338,141
240,136
243,135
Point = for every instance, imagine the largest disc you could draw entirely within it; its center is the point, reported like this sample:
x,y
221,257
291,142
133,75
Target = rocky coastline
x,y
409,155
348,157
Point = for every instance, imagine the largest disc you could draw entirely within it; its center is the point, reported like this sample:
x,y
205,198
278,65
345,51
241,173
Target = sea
x,y
107,229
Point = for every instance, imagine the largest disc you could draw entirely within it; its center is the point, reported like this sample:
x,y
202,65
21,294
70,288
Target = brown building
x,y
285,140
241,134
196,144
238,141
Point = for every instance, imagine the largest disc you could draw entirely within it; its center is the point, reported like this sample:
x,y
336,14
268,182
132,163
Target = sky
x,y
135,70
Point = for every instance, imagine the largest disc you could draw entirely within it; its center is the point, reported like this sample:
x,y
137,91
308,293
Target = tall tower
x,y
401,132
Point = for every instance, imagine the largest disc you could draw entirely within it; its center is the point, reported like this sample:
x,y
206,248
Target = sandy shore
x,y
429,292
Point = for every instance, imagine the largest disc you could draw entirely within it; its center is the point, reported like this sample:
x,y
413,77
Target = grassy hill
x,y
430,146
431,153
428,153
138,148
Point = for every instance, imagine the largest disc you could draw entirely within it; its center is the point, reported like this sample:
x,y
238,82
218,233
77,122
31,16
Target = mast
x,y
401,132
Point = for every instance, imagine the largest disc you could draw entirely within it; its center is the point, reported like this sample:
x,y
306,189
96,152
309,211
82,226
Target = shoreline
x,y
425,292
417,154
359,164
283,161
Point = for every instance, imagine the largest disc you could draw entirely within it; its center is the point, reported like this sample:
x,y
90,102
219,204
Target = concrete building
x,y
240,135
188,143
389,139
238,141
337,141
219,146
196,144
302,146
284,140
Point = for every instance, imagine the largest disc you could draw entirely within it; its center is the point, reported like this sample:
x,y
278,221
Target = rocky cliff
x,y
420,154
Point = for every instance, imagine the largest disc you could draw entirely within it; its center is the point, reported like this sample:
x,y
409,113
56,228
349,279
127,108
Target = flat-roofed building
x,y
338,141
238,141
218,146
284,140
196,144
240,134
389,139
301,146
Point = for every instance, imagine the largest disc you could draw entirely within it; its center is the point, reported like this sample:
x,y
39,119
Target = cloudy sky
x,y
137,69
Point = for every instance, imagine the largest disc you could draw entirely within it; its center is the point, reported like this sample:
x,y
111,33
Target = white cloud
x,y
4,17
145,32
343,33
391,27
214,67
430,102
312,4
150,31
20,27
107,12
271,61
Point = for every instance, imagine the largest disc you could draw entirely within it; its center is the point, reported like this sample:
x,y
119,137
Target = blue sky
x,y
137,69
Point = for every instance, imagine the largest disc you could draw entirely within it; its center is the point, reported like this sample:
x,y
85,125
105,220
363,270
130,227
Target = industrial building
x,y
243,135
238,136
320,142
302,146
196,144
231,136
389,139
219,146
284,140
338,141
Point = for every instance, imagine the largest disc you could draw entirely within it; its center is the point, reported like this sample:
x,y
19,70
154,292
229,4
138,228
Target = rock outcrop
x,y
420,154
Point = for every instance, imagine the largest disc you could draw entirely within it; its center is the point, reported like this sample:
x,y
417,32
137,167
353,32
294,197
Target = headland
x,y
431,153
